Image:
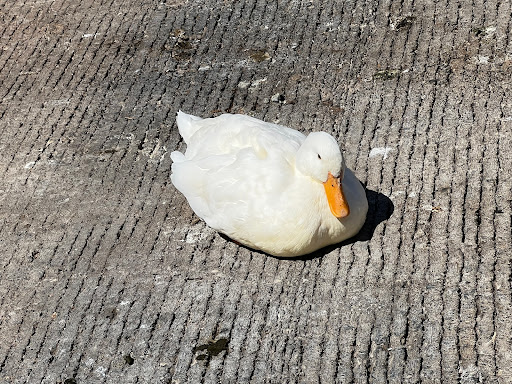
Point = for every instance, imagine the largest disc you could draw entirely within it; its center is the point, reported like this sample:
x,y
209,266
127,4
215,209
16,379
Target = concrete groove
x,y
9,88
161,354
148,298
57,307
45,330
235,329
268,316
127,327
431,335
240,326
81,285
39,46
91,353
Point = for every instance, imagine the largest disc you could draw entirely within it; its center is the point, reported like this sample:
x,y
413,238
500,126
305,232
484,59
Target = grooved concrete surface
x,y
108,277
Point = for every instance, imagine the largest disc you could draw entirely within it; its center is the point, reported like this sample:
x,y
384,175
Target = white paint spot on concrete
x,y
204,68
88,35
29,165
381,151
192,236
433,208
59,102
251,85
487,31
155,151
197,233
278,98
256,83
101,371
395,194
480,59
89,362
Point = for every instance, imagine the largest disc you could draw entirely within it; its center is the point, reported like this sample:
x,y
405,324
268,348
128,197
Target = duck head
x,y
320,158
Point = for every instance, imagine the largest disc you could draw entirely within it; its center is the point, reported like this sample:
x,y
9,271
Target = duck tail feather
x,y
186,126
177,157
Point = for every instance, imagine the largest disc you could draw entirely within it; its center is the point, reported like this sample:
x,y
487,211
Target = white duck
x,y
267,186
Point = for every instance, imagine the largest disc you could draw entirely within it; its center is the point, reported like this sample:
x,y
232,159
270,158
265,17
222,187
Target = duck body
x,y
259,184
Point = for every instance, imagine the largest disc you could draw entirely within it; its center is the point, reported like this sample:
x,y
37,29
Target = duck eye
x,y
319,156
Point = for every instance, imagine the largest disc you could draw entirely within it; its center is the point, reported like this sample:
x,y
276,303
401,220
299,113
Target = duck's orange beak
x,y
336,197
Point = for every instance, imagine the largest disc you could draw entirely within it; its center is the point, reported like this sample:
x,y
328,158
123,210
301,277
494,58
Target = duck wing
x,y
235,169
228,133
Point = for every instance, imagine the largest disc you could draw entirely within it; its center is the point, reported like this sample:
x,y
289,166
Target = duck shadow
x,y
380,208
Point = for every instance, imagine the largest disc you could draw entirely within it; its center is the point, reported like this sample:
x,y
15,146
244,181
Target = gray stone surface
x,y
107,276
